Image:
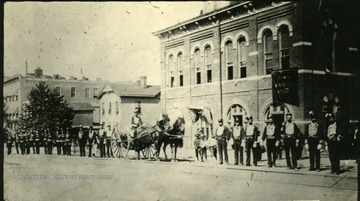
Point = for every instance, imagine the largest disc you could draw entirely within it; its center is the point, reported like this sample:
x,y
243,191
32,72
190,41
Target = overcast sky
x,y
111,40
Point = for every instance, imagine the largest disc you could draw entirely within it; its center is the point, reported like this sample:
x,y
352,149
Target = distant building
x,y
81,94
118,102
223,60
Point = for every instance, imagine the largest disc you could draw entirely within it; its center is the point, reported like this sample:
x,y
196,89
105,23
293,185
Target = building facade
x,y
118,103
224,59
81,94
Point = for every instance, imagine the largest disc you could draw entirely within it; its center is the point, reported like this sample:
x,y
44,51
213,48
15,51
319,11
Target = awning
x,y
196,112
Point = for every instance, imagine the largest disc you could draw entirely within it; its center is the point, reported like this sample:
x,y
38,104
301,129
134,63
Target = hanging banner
x,y
285,87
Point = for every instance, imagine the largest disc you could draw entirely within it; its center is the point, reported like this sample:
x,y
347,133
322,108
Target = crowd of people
x,y
274,139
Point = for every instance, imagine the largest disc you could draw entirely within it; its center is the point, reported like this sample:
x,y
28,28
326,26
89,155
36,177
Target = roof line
x,y
200,17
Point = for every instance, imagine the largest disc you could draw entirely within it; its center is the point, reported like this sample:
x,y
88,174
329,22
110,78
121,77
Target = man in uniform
x,y
67,144
58,141
101,140
334,136
251,133
238,135
9,142
37,142
291,135
30,142
49,142
82,141
91,139
222,136
314,137
272,136
17,142
22,141
108,142
136,122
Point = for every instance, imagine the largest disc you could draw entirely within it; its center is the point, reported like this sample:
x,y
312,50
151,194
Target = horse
x,y
173,136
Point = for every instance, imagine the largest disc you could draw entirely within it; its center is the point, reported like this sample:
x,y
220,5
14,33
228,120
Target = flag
x,y
285,87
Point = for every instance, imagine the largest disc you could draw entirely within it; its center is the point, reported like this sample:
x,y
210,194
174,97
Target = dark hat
x,y
221,121
237,120
289,114
329,115
136,110
249,117
109,125
91,127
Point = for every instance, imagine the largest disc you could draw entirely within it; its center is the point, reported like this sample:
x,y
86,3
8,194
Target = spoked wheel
x,y
149,152
116,147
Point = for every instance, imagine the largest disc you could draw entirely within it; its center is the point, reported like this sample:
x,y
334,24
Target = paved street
x,y
43,177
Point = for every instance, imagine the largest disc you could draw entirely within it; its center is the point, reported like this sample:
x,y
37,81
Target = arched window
x,y
229,60
284,47
268,51
197,66
236,111
171,70
180,67
242,56
208,62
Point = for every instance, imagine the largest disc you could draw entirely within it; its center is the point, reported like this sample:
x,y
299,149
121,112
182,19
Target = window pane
x,y
73,91
209,76
198,78
181,79
87,92
230,72
95,92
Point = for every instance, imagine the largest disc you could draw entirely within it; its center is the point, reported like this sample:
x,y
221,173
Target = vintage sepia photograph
x,y
181,100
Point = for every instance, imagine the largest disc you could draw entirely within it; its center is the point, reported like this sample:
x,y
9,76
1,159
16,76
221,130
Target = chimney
x,y
143,82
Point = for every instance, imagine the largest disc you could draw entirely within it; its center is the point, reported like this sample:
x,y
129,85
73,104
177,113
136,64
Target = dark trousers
x,y
28,146
102,148
222,148
333,148
90,149
37,147
32,144
23,148
67,148
17,147
238,151
271,151
82,144
108,148
9,146
289,146
250,146
49,147
314,153
213,151
58,148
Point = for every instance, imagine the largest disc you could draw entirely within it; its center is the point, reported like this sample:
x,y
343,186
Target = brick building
x,y
223,60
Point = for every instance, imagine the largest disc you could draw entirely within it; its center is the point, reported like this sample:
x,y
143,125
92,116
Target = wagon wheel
x,y
116,147
148,152
125,145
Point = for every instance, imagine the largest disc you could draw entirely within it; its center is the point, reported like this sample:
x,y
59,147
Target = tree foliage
x,y
46,110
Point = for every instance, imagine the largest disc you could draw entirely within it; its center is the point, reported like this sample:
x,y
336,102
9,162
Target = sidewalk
x,y
348,168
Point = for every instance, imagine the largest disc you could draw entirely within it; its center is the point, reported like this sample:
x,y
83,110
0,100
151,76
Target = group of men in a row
x,y
287,137
62,140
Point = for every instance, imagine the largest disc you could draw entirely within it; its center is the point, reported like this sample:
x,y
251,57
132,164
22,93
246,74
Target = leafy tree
x,y
46,110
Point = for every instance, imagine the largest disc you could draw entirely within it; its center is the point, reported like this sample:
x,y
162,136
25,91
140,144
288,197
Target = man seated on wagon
x,y
136,122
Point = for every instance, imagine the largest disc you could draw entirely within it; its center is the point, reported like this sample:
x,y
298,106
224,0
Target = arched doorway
x,y
278,113
236,111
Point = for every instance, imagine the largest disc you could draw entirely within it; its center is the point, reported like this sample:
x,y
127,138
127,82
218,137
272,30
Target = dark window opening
x,y
198,78
172,80
209,75
230,72
181,79
242,72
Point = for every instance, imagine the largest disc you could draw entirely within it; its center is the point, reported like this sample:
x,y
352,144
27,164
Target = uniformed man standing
x,y
49,142
37,142
272,136
314,137
91,139
17,142
334,136
238,135
222,136
82,141
67,143
9,142
22,141
58,142
108,142
31,143
101,141
291,135
251,133
136,122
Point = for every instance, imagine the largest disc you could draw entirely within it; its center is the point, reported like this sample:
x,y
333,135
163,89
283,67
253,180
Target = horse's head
x,y
179,125
165,121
